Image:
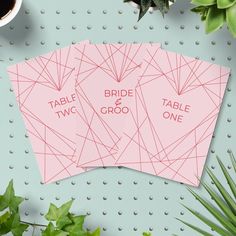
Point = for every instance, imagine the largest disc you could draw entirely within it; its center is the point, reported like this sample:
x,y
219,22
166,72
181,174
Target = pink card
x,y
178,100
45,92
106,77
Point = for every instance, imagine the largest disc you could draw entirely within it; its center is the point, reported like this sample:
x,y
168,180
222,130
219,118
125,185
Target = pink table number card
x,y
45,91
106,78
177,105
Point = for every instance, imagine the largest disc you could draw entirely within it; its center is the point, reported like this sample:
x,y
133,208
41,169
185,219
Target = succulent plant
x,y
216,13
161,5
224,197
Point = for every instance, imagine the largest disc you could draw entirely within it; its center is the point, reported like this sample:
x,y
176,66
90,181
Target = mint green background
x,y
146,202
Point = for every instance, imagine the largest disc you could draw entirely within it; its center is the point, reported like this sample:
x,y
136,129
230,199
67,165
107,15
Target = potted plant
x,y
216,13
145,5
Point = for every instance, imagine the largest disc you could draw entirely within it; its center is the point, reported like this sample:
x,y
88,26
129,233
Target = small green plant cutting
x,y
61,222
224,210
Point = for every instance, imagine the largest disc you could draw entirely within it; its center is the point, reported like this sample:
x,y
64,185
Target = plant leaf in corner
x,y
215,19
14,225
8,199
230,18
204,2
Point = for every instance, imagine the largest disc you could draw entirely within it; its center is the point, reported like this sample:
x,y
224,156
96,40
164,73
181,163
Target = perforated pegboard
x,y
121,201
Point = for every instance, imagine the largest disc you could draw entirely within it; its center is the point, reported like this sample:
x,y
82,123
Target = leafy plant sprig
x,y
162,5
225,212
61,222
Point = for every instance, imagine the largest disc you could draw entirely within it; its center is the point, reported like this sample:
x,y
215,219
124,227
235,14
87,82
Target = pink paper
x,y
106,78
178,102
44,88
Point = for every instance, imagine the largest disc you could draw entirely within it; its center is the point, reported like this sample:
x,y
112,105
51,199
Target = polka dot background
x,y
121,201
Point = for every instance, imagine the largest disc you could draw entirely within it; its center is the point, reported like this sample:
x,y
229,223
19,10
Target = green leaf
x,y
8,199
63,221
203,11
221,203
214,19
14,225
77,224
233,160
52,231
60,215
162,6
223,4
202,232
147,234
145,4
204,2
198,9
231,21
229,200
141,14
210,223
216,213
4,217
97,232
229,179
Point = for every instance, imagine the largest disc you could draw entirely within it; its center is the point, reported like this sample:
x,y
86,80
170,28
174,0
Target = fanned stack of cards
x,y
132,105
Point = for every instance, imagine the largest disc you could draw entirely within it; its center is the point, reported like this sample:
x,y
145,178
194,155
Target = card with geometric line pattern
x,y
178,101
45,91
106,77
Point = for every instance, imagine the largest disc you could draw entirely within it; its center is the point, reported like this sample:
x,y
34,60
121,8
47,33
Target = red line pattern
x,y
152,149
100,67
32,81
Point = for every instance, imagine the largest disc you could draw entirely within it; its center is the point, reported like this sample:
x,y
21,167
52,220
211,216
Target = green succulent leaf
x,y
145,4
141,14
215,212
9,200
215,19
202,232
224,213
231,19
204,2
210,223
203,11
223,4
227,197
229,179
221,203
233,160
163,6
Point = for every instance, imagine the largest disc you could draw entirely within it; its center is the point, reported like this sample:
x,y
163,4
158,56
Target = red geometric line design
x,y
36,82
100,67
159,147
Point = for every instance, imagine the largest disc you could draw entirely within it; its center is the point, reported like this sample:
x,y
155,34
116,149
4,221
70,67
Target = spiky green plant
x,y
216,13
225,210
162,5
